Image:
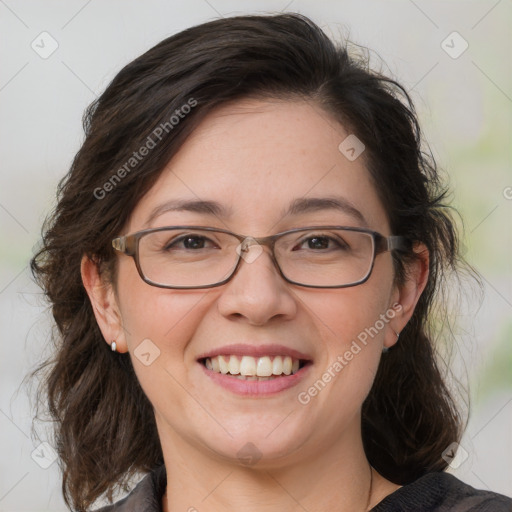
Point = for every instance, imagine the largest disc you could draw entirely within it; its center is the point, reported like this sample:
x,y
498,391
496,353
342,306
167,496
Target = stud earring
x,y
113,346
385,350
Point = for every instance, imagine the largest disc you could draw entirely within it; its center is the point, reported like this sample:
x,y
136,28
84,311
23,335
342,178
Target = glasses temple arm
x,y
125,244
399,243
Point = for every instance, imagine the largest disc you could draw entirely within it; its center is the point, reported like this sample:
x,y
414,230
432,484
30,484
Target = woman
x,y
242,266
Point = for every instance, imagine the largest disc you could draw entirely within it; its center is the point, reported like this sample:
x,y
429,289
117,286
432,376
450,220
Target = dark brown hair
x,y
104,424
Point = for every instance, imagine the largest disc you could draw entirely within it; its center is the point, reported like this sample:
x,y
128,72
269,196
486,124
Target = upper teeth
x,y
258,366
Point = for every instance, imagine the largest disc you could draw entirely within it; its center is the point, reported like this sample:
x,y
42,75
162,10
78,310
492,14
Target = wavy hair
x,y
104,425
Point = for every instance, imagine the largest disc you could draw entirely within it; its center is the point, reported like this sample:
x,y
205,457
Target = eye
x,y
322,243
318,242
189,242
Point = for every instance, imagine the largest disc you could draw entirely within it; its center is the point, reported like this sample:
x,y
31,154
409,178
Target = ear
x,y
406,296
104,304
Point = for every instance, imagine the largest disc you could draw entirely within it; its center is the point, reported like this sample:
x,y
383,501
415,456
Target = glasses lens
x,y
187,257
313,257
330,257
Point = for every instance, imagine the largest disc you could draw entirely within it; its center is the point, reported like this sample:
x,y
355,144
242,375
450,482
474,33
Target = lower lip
x,y
254,387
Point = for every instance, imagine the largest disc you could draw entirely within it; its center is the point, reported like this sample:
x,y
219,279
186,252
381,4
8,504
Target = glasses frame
x,y
129,245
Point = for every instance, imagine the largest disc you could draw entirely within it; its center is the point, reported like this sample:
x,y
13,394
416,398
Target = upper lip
x,y
240,349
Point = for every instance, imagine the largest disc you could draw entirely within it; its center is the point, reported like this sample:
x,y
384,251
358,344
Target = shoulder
x,y
145,497
442,492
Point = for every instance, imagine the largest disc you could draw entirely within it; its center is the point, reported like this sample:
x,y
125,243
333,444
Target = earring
x,y
385,350
113,346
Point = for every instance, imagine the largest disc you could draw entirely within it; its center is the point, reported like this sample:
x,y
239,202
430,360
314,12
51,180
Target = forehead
x,y
255,158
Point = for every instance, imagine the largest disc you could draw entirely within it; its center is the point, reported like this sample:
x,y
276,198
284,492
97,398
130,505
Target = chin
x,y
261,447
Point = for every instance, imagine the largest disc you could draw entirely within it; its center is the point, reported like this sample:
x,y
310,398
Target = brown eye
x,y
192,242
318,242
321,243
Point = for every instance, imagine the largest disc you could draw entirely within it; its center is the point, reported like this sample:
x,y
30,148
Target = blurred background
x,y
453,57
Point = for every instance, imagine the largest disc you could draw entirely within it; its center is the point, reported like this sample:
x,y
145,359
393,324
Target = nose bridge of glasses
x,y
247,243
250,248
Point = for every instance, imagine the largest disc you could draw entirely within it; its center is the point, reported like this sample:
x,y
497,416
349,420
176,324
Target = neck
x,y
337,478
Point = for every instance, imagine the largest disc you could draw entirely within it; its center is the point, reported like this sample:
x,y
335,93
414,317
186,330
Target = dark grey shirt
x,y
434,492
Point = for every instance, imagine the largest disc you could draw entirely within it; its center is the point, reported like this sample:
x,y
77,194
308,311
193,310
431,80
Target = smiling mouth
x,y
254,368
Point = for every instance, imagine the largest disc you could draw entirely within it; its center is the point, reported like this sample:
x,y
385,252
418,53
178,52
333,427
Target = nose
x,y
257,292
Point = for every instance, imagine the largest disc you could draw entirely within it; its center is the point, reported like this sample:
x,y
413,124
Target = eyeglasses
x,y
188,257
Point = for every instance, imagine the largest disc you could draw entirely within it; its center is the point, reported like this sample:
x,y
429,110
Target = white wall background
x,y
465,106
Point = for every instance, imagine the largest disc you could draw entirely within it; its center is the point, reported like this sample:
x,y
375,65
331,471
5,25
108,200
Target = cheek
x,y
158,326
166,317
351,324
347,314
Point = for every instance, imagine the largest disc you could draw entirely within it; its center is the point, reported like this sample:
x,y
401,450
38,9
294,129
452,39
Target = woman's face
x,y
256,159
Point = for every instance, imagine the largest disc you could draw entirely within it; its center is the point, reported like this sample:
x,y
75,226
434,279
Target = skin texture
x,y
255,157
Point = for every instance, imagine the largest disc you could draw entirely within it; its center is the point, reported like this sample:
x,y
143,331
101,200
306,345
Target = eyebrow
x,y
298,206
314,204
212,208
